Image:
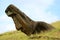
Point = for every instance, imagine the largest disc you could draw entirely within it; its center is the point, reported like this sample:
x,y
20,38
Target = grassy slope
x,y
56,24
18,35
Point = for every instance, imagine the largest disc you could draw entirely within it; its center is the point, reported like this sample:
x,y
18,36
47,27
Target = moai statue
x,y
24,23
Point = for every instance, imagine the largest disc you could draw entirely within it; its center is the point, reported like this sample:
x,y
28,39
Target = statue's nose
x,y
9,13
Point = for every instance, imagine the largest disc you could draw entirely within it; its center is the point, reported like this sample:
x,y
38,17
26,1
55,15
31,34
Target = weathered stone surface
x,y
24,23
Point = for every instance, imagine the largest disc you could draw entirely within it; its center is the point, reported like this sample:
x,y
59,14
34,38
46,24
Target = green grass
x,y
18,35
15,35
56,24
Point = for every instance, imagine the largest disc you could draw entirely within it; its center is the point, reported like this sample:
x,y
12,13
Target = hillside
x,y
56,24
18,35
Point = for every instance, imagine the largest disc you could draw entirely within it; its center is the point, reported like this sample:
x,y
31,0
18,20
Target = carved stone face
x,y
23,23
10,10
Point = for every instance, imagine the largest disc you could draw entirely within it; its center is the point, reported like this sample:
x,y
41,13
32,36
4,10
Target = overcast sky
x,y
38,10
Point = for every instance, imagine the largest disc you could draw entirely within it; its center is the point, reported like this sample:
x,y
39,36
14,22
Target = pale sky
x,y
38,10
